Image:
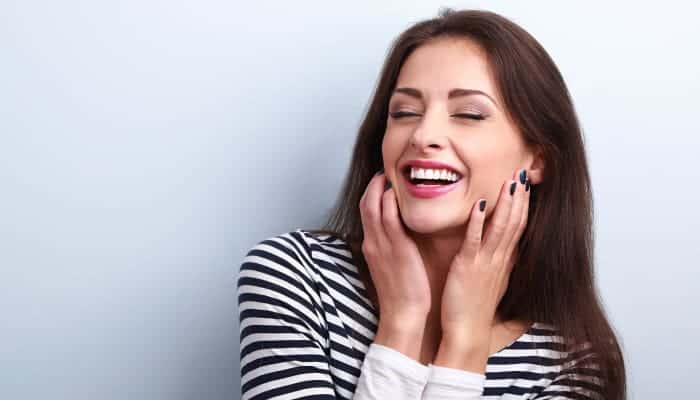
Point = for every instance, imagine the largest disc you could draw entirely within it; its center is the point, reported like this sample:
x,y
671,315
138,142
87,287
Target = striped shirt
x,y
306,326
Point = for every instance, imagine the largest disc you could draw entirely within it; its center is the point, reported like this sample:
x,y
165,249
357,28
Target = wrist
x,y
405,338
459,352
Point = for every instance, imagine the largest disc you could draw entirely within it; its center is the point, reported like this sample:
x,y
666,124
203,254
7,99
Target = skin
x,y
440,266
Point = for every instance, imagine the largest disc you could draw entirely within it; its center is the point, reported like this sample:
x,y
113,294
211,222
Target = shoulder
x,y
567,353
298,252
577,365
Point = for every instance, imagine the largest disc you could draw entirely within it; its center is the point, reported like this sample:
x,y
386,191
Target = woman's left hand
x,y
479,274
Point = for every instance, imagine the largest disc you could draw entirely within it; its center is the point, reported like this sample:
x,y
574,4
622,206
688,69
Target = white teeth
x,y
442,174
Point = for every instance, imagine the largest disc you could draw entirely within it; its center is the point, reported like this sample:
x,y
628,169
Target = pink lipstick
x,y
424,191
427,191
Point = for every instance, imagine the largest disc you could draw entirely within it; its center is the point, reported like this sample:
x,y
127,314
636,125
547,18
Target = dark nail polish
x,y
482,205
523,176
527,186
512,188
387,186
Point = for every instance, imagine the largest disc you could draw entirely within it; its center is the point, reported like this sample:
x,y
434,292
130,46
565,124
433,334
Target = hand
x,y
479,274
394,261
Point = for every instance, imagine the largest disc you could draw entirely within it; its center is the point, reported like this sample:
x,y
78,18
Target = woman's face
x,y
470,132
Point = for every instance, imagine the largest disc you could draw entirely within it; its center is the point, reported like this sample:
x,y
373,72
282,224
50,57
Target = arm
x,y
435,382
391,369
388,374
283,337
464,379
282,344
458,371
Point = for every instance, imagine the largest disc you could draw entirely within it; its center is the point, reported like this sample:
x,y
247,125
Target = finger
x,y
475,228
523,218
371,212
511,235
390,217
499,220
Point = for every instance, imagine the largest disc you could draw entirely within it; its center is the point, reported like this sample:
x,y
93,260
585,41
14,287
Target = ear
x,y
535,169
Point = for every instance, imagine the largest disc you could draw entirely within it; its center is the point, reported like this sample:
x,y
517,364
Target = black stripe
x,y
292,388
506,360
254,297
275,359
559,394
330,280
277,375
512,389
279,344
262,253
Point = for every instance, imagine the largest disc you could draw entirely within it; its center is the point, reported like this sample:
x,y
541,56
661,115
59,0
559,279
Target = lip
x,y
429,164
428,192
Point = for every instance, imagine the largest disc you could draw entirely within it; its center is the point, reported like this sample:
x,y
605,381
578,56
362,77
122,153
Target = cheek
x,y
492,159
391,150
488,165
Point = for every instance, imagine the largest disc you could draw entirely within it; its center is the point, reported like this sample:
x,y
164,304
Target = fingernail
x,y
512,188
387,186
379,172
527,186
482,205
523,176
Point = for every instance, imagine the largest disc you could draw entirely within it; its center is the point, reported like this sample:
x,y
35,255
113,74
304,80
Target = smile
x,y
428,188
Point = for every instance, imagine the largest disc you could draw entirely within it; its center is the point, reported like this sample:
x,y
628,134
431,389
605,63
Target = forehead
x,y
445,63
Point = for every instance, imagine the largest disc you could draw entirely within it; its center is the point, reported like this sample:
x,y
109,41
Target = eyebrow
x,y
457,92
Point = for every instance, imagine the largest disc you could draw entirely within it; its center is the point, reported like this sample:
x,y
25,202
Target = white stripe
x,y
331,255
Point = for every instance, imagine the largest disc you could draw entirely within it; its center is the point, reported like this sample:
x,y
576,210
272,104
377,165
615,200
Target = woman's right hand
x,y
395,264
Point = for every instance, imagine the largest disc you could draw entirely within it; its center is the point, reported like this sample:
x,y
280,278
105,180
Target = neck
x,y
438,249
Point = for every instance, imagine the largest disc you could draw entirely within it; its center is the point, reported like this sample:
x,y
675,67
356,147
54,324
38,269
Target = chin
x,y
428,223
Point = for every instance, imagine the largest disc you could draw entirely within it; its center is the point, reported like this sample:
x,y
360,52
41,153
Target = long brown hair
x,y
553,281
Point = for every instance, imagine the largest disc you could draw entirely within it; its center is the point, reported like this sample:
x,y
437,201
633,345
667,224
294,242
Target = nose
x,y
430,132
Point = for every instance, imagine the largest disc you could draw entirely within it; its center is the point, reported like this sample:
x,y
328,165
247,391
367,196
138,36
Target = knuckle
x,y
499,257
475,237
514,224
499,227
368,249
386,220
369,212
460,258
386,196
387,216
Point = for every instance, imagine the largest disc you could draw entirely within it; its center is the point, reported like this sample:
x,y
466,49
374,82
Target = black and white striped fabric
x,y
305,327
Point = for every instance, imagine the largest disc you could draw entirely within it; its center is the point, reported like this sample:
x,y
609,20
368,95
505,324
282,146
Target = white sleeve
x,y
451,383
388,374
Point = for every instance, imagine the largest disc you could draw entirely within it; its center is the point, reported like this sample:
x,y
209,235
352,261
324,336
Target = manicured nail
x,y
512,188
387,186
482,205
523,176
379,172
527,186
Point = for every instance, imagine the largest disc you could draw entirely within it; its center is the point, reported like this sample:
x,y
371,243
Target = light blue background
x,y
146,145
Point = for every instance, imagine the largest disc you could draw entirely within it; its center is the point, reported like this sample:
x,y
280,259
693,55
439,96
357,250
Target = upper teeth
x,y
443,174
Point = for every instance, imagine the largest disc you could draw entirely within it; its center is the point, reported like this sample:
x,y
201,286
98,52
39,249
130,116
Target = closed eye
x,y
470,116
402,114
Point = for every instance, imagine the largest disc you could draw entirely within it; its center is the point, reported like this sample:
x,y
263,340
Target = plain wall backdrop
x,y
146,145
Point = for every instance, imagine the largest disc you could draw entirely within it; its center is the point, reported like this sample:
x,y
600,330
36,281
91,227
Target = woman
x,y
479,253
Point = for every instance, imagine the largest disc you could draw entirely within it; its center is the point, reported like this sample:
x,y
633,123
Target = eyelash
x,y
401,114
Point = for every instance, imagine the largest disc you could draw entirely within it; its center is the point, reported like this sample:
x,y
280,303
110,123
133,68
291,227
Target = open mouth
x,y
442,181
